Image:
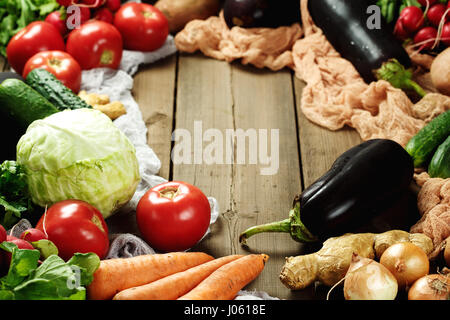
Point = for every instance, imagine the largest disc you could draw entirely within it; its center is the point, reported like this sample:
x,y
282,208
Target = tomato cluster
x,y
86,35
427,26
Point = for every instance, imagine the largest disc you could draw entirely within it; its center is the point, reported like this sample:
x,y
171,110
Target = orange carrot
x,y
225,282
175,285
115,275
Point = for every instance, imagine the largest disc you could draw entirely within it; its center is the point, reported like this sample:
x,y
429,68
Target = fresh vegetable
x,y
96,44
113,5
75,226
435,14
426,38
440,71
344,23
260,13
2,234
173,216
424,3
367,279
174,286
394,72
93,3
445,34
20,105
440,163
362,183
101,102
330,264
58,21
143,26
411,19
79,154
55,91
423,145
33,234
229,279
431,287
180,12
61,64
36,37
104,14
15,201
53,279
407,262
16,15
115,275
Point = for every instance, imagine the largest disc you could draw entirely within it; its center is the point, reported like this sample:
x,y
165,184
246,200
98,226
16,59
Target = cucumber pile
x,y
430,147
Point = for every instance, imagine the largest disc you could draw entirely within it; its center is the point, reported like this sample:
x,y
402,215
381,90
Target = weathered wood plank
x,y
319,146
204,101
264,100
153,90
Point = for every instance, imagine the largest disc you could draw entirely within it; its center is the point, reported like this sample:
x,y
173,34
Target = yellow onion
x,y
406,261
367,279
431,287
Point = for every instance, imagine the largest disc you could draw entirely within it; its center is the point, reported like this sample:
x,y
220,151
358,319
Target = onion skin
x,y
447,252
431,287
367,279
407,262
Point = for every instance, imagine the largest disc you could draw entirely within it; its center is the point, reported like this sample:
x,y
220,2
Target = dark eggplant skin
x,y
344,23
261,13
363,182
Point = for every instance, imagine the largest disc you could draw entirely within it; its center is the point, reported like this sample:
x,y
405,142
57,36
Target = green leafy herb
x,y
14,197
17,14
53,279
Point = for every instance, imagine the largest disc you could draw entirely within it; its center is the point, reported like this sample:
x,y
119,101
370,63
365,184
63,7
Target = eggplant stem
x,y
279,226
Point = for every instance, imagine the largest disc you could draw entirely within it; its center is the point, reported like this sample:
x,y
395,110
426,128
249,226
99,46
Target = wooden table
x,y
176,92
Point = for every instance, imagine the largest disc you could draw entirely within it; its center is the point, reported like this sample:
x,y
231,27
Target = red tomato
x,y
75,226
173,216
59,23
143,26
61,64
36,37
96,44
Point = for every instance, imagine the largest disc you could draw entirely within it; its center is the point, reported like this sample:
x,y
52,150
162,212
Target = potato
x,y
180,12
440,72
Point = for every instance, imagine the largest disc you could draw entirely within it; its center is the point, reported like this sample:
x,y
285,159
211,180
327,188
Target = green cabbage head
x,y
79,154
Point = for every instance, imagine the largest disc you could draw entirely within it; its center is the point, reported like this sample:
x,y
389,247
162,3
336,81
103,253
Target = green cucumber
x,y
20,105
424,144
54,90
440,163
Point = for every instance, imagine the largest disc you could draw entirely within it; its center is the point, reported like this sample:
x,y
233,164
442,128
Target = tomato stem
x,y
169,192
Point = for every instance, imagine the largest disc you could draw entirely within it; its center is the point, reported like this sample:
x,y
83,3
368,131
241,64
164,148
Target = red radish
x,y
113,5
425,2
55,19
435,14
445,35
10,238
104,14
3,234
21,244
32,235
426,37
66,3
93,3
412,18
400,32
